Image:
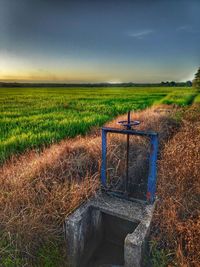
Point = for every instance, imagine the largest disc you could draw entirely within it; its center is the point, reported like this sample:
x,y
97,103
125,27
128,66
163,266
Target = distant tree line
x,y
129,84
196,81
172,83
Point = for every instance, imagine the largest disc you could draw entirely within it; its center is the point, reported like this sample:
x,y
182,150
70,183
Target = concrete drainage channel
x,y
111,228
108,231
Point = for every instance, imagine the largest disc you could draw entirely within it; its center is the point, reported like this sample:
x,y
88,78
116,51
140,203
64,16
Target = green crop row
x,y
181,98
197,99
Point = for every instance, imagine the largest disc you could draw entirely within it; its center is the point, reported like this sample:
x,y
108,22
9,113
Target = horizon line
x,y
79,83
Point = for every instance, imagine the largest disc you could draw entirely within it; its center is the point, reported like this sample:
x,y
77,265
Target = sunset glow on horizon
x,y
99,41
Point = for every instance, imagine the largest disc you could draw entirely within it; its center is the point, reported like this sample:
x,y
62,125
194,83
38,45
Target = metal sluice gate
x,y
127,130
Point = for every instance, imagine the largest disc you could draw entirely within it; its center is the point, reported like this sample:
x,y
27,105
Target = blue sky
x,y
99,41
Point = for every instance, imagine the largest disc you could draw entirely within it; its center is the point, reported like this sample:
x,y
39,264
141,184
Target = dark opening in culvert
x,y
110,248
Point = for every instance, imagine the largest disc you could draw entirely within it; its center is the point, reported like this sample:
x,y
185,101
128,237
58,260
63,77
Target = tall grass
x,y
37,191
176,227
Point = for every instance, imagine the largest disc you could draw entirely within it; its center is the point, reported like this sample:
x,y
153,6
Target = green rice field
x,y
36,117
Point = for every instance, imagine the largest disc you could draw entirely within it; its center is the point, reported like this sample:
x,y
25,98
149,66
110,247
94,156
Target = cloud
x,y
140,34
187,28
184,28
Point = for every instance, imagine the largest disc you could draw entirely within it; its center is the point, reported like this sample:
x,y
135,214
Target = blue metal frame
x,y
151,187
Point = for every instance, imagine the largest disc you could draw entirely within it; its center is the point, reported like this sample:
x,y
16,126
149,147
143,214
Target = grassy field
x,y
197,99
38,190
35,117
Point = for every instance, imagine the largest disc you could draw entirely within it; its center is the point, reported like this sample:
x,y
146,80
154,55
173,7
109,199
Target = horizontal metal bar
x,y
131,132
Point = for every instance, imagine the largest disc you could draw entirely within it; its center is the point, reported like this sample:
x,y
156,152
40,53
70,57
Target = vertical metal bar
x,y
129,120
151,189
127,163
104,152
127,155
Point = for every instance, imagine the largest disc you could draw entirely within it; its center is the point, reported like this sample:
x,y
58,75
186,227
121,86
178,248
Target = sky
x,y
99,41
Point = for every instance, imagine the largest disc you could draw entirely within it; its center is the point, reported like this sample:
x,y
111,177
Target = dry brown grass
x,y
177,218
37,190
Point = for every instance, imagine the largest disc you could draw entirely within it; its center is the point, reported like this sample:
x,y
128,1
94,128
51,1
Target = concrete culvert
x,y
108,231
